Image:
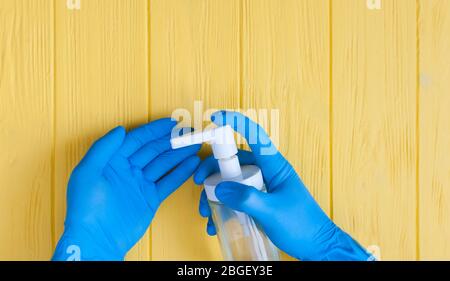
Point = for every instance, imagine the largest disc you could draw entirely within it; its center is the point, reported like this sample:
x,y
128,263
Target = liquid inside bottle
x,y
240,237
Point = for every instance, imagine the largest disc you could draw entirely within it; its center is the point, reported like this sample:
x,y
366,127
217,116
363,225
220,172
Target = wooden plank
x,y
374,124
434,165
194,56
101,82
286,66
26,95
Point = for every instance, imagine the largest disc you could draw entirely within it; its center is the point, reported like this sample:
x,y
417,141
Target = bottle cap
x,y
251,175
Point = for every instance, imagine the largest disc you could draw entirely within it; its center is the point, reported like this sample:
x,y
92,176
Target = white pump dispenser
x,y
240,237
224,150
223,146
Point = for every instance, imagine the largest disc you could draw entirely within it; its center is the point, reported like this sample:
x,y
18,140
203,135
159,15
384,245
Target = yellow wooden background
x,y
363,94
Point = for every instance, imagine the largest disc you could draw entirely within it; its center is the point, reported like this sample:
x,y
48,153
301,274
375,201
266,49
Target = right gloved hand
x,y
288,213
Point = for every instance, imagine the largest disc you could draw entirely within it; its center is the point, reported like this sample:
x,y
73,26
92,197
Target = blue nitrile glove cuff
x,y
78,245
339,246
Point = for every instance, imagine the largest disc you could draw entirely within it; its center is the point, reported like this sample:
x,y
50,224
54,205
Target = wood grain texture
x,y
286,66
363,98
374,124
101,82
26,103
194,56
434,168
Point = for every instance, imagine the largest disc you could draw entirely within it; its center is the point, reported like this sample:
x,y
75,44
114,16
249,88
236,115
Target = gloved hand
x,y
116,189
288,213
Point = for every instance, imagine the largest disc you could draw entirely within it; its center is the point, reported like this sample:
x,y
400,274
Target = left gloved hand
x,y
115,190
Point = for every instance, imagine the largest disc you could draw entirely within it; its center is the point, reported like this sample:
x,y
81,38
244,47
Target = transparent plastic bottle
x,y
239,236
241,239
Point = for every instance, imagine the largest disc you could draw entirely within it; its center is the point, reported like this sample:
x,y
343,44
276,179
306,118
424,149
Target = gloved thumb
x,y
243,198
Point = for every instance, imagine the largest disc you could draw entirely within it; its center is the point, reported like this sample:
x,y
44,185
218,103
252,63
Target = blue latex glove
x,y
115,190
288,213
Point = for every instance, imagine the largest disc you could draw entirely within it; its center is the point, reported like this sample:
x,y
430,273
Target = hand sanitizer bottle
x,y
239,236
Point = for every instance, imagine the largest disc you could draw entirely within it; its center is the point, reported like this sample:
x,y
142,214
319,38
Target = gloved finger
x,y
210,166
256,137
103,149
267,156
148,189
150,151
177,177
210,227
203,207
243,198
205,212
154,148
137,138
168,160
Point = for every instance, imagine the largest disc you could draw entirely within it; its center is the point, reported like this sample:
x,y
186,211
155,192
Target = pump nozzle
x,y
223,147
